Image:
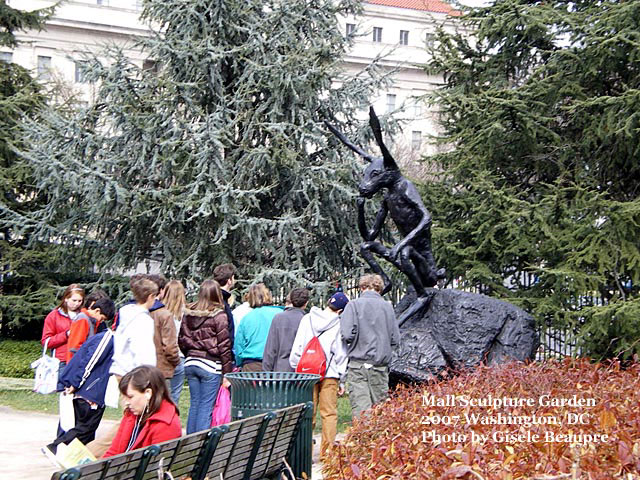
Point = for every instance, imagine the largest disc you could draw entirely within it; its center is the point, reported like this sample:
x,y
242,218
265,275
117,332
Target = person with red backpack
x,y
319,349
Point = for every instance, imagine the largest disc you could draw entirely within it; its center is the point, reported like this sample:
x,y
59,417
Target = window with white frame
x,y
416,140
391,102
6,56
417,108
351,28
404,37
377,34
81,67
430,39
44,67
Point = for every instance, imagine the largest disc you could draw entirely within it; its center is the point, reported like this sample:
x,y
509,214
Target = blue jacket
x,y
88,370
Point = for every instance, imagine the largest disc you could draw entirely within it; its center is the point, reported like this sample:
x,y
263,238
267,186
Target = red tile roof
x,y
437,6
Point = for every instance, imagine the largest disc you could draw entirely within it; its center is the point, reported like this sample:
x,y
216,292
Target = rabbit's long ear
x,y
346,141
389,162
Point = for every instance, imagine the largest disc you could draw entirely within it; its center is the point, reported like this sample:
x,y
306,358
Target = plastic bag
x,y
46,375
67,415
222,410
112,394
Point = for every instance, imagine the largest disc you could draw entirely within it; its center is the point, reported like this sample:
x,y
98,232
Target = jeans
x,y
61,367
177,381
203,387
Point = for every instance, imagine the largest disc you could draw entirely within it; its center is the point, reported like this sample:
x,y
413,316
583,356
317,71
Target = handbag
x,y
222,410
46,375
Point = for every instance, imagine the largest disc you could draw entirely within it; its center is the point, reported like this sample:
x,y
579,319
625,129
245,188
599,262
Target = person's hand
x,y
69,390
341,390
226,383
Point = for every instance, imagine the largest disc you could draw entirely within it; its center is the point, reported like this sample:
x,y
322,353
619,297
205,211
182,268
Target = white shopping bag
x,y
46,378
67,415
112,395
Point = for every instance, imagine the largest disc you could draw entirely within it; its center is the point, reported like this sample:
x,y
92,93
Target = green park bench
x,y
247,449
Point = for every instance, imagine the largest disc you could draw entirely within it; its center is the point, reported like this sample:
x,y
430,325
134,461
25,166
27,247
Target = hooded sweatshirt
x,y
326,326
133,340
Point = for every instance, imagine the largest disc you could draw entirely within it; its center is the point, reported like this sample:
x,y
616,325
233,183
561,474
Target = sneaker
x,y
49,452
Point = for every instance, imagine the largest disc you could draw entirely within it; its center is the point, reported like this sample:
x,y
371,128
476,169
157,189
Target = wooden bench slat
x,y
251,442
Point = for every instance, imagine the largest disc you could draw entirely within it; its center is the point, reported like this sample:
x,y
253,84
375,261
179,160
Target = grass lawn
x,y
16,393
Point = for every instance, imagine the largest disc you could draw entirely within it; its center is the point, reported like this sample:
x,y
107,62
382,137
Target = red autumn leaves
x,y
567,419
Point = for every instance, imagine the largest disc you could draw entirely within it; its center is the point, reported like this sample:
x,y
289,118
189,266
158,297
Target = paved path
x,y
23,433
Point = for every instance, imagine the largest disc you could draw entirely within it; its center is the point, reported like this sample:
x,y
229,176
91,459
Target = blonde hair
x,y
259,295
174,298
371,281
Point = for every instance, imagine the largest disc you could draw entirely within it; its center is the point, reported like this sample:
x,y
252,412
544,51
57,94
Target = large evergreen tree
x,y
217,153
538,196
29,275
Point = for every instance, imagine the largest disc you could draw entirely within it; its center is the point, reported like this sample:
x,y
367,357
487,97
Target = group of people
x,y
157,339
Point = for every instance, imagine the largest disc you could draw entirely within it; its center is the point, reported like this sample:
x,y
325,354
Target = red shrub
x,y
565,419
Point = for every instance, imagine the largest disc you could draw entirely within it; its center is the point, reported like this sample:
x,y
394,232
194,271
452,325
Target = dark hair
x,y
143,377
70,290
106,306
142,289
94,296
158,279
209,296
222,273
299,296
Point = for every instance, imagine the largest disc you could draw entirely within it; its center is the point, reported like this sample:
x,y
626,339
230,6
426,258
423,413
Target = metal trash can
x,y
254,393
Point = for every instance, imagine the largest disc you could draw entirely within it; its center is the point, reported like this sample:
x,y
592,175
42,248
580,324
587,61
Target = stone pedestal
x,y
459,330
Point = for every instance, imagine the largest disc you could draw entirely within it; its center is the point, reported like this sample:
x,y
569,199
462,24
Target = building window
x,y
44,67
404,37
430,39
81,68
391,102
6,56
377,34
416,140
351,28
150,66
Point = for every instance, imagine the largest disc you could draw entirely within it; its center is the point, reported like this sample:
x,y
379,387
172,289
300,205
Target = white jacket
x,y
133,340
313,323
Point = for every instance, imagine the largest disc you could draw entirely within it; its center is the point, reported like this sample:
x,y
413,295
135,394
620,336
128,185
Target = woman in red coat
x,y
150,416
58,322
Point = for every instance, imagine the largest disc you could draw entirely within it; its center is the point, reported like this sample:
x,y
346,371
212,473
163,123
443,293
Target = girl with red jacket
x,y
58,323
150,416
204,339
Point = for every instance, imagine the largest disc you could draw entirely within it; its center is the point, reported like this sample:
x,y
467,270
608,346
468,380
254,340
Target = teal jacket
x,y
252,333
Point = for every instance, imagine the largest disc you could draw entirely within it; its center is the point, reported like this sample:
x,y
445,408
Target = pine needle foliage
x,y
537,200
218,153
28,276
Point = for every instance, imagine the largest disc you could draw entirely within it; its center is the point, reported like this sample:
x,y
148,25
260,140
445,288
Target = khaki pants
x,y
325,399
252,367
367,386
